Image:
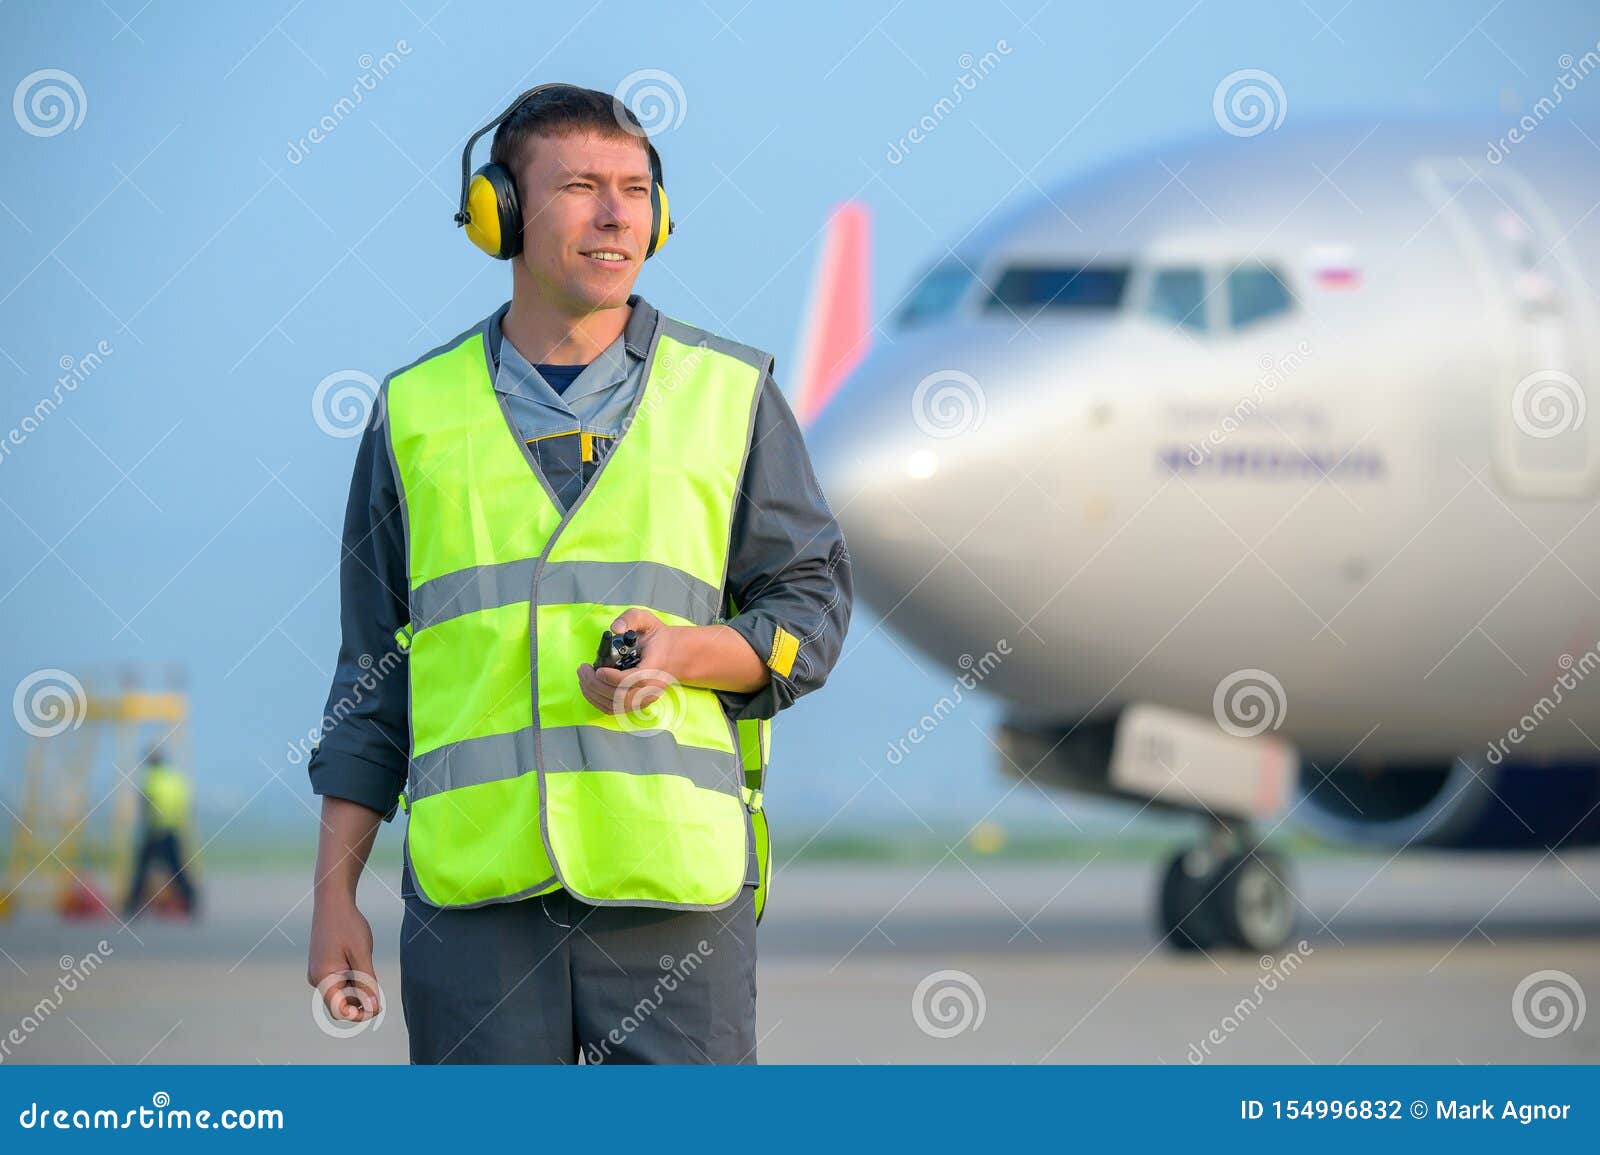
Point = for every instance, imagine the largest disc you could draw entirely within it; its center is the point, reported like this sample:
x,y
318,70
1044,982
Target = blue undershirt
x,y
558,377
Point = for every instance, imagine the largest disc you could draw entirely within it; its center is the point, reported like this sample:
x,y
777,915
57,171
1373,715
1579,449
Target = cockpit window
x,y
1032,290
1255,293
936,294
1178,296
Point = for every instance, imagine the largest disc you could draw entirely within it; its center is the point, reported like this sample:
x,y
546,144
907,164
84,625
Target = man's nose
x,y
608,211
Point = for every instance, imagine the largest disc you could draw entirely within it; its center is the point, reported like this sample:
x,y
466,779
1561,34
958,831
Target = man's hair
x,y
563,111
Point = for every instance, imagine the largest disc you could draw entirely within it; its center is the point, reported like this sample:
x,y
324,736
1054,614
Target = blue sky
x,y
181,505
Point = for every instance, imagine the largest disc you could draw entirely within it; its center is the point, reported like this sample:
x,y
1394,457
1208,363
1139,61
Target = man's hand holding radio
x,y
714,657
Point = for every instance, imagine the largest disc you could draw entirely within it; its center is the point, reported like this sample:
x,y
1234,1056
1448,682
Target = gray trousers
x,y
544,980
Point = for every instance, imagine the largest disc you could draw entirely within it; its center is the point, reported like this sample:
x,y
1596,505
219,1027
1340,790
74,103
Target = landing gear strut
x,y
1227,891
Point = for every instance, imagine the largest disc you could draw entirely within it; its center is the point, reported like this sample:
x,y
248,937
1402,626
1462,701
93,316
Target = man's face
x,y
586,217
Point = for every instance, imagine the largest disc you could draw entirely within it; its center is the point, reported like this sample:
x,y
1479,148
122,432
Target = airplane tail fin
x,y
837,326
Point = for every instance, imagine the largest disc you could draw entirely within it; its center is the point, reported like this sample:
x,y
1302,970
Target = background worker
x,y
164,821
561,453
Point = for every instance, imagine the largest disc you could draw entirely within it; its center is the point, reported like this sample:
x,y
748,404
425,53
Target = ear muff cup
x,y
494,212
661,225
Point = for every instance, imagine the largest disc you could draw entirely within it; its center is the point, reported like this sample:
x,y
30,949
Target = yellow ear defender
x,y
491,210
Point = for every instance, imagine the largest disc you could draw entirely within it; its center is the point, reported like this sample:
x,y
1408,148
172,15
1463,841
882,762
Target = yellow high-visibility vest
x,y
167,795
516,784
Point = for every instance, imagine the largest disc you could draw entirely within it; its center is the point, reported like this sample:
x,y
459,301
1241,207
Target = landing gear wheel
x,y
1253,902
1189,919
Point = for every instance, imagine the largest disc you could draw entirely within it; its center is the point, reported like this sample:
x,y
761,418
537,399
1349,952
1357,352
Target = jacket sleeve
x,y
788,568
365,730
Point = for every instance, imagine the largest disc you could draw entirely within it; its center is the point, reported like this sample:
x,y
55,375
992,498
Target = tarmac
x,y
1428,958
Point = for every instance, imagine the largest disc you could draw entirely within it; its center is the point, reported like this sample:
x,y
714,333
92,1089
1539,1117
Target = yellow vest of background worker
x,y
166,794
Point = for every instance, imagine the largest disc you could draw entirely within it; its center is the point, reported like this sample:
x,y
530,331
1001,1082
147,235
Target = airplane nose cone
x,y
910,452
940,456
928,432
883,447
885,439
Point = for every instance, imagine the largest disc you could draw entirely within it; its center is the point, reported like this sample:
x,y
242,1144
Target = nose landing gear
x,y
1228,891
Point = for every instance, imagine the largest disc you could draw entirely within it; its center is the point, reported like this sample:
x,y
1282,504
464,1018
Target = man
x,y
586,852
163,820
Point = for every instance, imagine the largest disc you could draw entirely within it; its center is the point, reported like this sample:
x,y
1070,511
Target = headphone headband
x,y
466,153
461,216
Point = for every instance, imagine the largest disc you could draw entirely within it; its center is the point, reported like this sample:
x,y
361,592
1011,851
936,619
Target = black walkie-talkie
x,y
618,651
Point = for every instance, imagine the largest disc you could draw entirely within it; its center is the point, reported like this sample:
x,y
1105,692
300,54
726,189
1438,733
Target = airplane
x,y
1273,461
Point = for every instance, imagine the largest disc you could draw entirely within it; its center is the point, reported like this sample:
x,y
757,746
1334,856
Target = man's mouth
x,y
608,256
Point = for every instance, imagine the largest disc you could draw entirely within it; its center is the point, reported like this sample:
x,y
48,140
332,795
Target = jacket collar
x,y
636,335
514,376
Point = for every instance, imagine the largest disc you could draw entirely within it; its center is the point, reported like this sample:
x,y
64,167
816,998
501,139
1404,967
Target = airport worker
x,y
586,561
164,823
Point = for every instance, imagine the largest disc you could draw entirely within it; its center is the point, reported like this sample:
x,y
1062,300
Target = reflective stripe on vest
x,y
517,784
